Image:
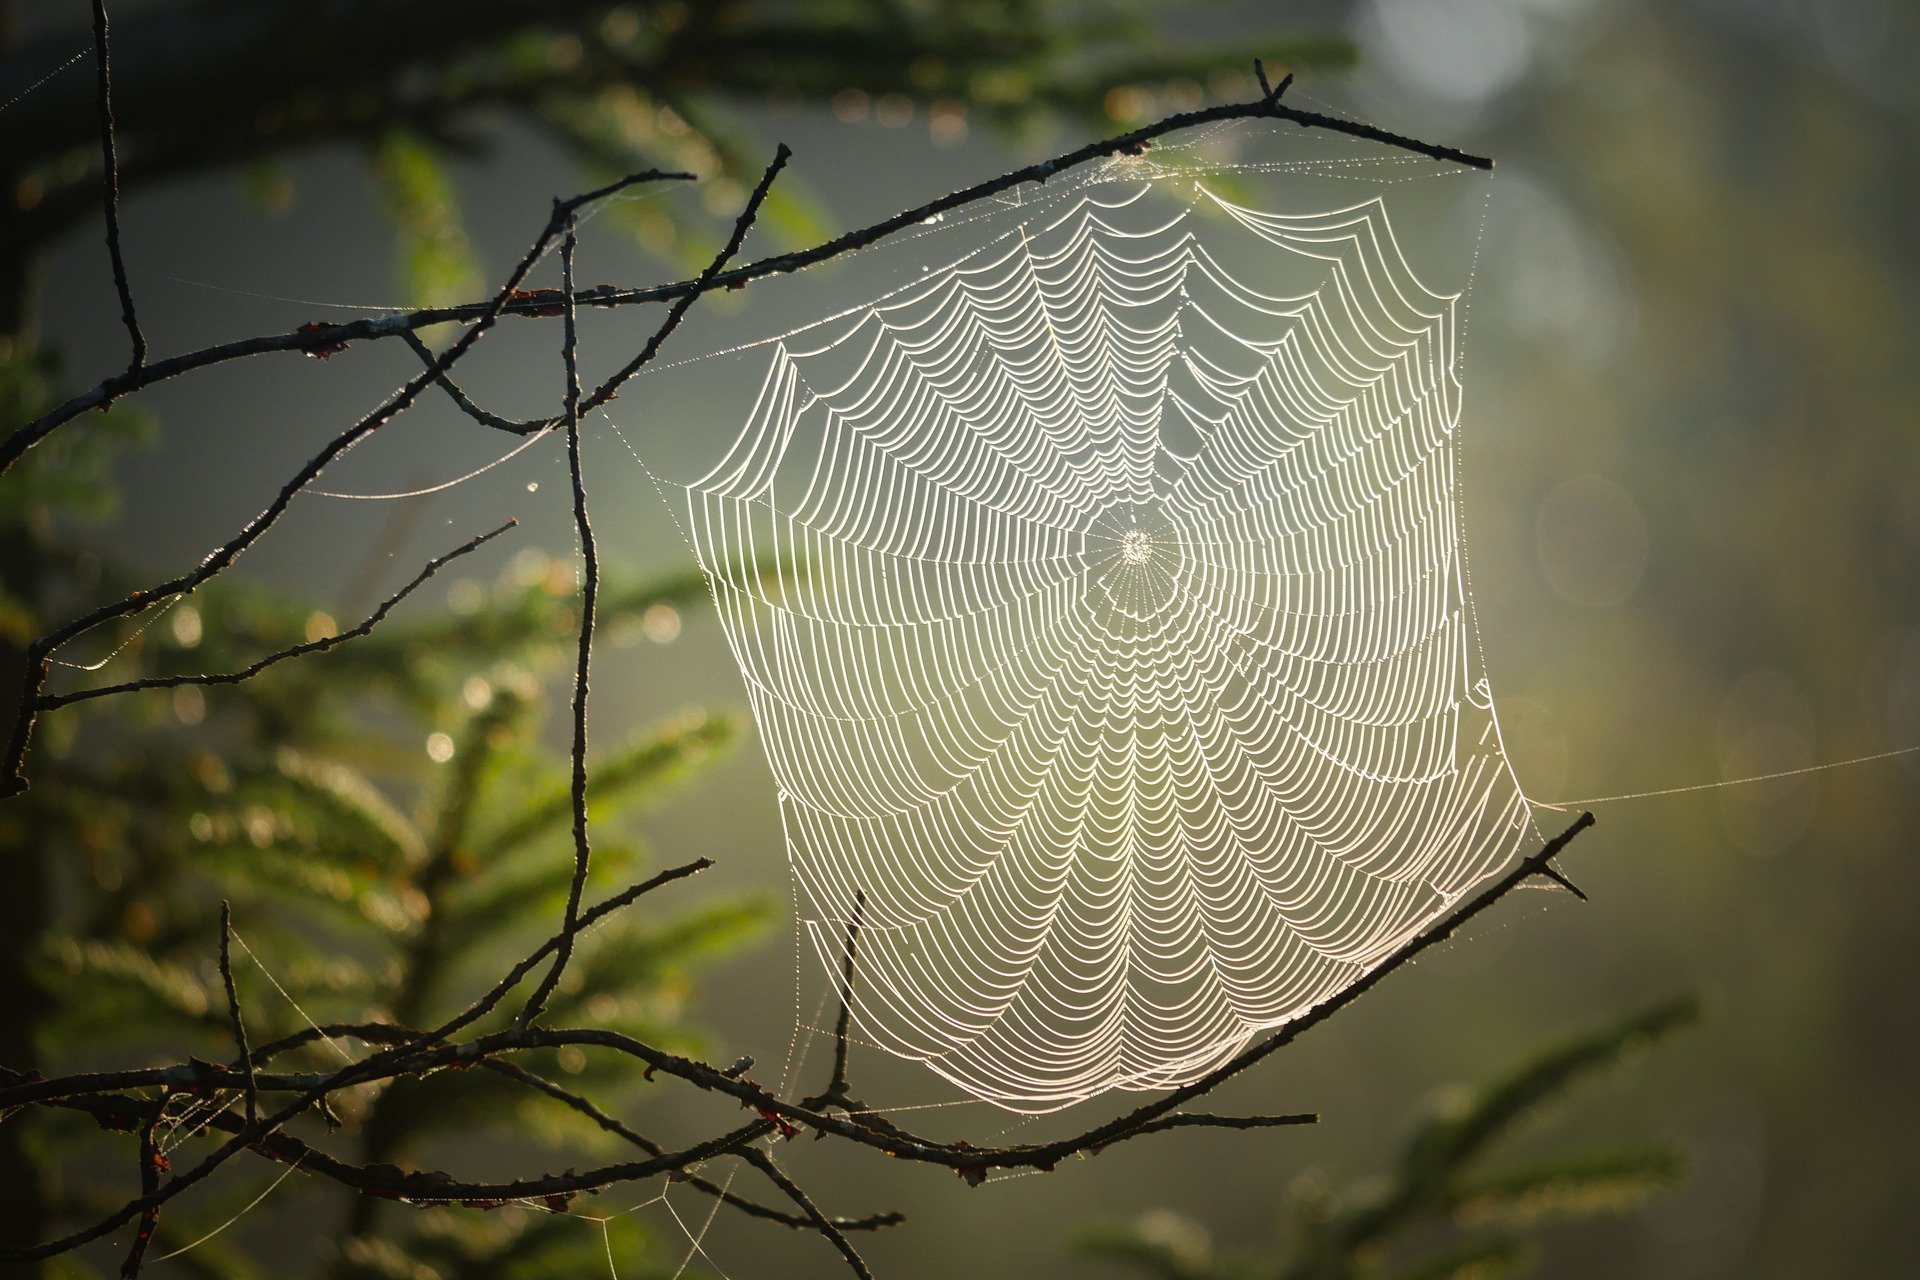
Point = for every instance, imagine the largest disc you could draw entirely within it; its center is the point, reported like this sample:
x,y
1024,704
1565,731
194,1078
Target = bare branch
x,y
332,337
150,1166
421,1187
752,1208
110,189
701,283
202,1077
34,677
589,594
590,576
429,1052
326,339
245,1055
467,406
1206,1120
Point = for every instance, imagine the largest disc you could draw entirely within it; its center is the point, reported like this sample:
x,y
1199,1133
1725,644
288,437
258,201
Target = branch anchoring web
x,y
1127,669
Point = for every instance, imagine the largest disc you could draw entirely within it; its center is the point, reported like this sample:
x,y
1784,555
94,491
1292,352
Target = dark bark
x,y
19,328
23,917
23,905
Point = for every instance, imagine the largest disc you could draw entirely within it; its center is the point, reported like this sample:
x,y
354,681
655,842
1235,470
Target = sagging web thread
x,y
1126,667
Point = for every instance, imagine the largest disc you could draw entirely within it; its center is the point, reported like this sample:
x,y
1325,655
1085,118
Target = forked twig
x,y
151,1162
1271,93
837,1087
245,1055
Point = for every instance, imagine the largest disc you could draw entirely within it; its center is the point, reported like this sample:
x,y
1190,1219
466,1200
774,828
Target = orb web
x,y
1125,669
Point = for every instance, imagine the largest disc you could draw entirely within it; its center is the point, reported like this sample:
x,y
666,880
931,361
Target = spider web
x,y
1126,673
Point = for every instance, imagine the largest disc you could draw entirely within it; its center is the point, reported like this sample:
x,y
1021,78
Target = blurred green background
x,y
1692,467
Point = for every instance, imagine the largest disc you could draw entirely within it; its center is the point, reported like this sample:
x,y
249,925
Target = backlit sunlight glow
x,y
1127,669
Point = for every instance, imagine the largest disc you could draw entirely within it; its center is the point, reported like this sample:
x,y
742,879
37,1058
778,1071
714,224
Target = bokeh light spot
x,y
1592,542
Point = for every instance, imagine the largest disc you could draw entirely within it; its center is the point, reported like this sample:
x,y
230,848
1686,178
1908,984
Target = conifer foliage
x,y
301,880
1438,1213
382,821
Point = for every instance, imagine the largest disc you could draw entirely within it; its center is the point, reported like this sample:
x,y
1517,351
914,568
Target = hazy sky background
x,y
1692,462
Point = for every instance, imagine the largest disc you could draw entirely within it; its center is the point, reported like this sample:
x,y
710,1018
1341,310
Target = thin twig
x,y
110,188
245,1058
589,594
1207,1120
1550,872
150,1166
466,404
701,284
1268,91
610,1124
844,1025
486,1003
590,572
49,702
838,1085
